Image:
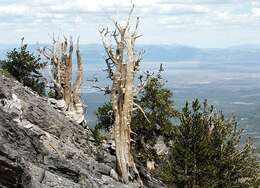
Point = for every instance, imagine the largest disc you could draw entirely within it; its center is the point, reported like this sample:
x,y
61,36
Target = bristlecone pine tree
x,y
60,56
122,63
206,152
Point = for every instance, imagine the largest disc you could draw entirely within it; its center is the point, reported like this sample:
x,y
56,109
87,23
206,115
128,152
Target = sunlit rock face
x,y
76,114
41,147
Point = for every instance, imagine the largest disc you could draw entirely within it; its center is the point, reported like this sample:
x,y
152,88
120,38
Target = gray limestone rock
x,y
41,148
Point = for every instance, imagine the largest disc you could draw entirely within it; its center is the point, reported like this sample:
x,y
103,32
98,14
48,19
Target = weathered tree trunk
x,y
121,70
61,60
122,97
67,90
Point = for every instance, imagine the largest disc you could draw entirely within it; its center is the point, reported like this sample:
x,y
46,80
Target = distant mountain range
x,y
95,53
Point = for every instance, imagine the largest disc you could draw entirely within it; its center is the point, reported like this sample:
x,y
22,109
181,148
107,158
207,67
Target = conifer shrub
x,y
156,101
206,152
25,67
104,122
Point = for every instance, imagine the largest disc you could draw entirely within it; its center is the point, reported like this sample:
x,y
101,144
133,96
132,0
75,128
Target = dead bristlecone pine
x,y
66,92
122,63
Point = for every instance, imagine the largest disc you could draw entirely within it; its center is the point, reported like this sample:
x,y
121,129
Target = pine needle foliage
x,y
156,101
206,152
25,67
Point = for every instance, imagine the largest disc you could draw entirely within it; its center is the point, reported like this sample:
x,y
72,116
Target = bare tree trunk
x,y
78,107
61,59
77,83
122,71
67,85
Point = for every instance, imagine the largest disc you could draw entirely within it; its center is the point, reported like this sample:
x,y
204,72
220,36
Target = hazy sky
x,y
202,23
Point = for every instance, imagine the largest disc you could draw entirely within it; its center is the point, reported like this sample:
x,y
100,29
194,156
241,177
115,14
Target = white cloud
x,y
13,9
177,9
80,16
256,12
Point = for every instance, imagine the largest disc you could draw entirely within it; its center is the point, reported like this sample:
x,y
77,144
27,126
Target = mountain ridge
x,y
95,52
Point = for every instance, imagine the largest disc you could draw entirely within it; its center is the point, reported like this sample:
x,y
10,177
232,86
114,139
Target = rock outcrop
x,y
40,147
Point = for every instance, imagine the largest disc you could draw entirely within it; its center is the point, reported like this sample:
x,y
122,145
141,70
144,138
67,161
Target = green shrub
x,y
156,101
104,117
25,67
104,122
206,152
3,71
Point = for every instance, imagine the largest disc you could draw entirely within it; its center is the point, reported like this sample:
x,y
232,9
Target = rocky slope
x,y
40,147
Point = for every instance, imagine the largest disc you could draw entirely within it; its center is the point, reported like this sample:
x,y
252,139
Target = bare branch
x,y
129,16
137,36
132,132
108,49
106,89
139,59
71,47
143,82
134,35
46,52
56,84
115,35
118,27
140,108
101,31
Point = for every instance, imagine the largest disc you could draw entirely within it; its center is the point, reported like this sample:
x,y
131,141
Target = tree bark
x,y
61,60
121,70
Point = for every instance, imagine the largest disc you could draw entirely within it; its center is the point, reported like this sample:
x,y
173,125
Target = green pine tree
x,y
25,67
104,122
206,152
156,101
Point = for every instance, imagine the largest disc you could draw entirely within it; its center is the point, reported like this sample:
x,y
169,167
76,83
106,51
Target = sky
x,y
200,23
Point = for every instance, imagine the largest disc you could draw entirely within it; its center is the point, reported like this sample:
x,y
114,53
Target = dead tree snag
x,y
122,63
60,55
